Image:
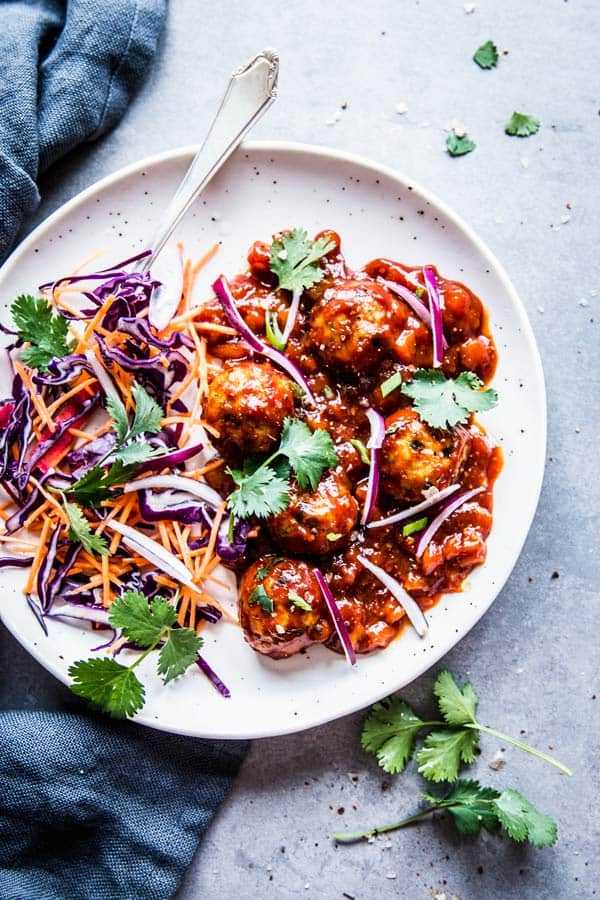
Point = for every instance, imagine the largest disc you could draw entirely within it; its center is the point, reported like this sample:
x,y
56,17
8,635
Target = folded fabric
x,y
67,72
91,809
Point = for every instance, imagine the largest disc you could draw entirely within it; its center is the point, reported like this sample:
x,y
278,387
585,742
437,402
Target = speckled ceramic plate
x,y
262,189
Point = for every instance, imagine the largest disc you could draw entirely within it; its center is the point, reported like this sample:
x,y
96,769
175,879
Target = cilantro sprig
x,y
130,450
80,531
115,688
263,490
472,808
445,402
43,328
391,728
294,259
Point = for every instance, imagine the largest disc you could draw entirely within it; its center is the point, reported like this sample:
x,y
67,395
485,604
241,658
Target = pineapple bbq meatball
x,y
281,607
415,457
316,522
355,322
247,403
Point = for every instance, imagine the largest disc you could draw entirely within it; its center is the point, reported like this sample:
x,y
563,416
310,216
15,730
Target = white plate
x,y
262,189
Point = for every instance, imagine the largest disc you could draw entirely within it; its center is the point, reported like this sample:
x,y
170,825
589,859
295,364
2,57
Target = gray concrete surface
x,y
534,657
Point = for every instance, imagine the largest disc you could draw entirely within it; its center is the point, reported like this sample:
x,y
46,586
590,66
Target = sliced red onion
x,y
414,510
374,445
177,483
225,298
416,304
102,375
411,607
336,615
154,553
292,315
212,677
442,516
175,458
435,310
167,269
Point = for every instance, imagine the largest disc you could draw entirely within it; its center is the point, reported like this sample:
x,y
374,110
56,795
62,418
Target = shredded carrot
x,y
210,547
64,397
39,555
40,511
35,396
51,499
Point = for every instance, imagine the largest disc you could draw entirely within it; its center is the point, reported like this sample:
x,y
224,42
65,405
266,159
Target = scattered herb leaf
x,y
81,532
459,146
389,732
260,596
522,125
486,56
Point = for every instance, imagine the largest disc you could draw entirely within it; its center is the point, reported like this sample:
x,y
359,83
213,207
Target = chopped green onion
x,y
390,384
297,600
412,527
420,292
273,331
333,536
358,445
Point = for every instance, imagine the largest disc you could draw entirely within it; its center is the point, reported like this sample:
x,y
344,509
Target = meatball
x,y
415,457
316,521
355,322
272,621
247,403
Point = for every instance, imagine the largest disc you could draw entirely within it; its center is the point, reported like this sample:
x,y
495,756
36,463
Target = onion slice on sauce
x,y
419,308
225,298
435,310
177,483
414,510
411,607
374,445
442,516
336,615
154,553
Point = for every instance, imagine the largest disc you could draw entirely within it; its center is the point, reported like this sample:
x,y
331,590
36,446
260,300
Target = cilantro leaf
x,y
148,414
178,652
296,600
108,685
260,596
137,452
457,707
389,732
294,259
459,146
261,494
45,331
523,821
81,532
486,56
445,402
142,622
471,806
522,125
309,452
443,751
94,485
116,409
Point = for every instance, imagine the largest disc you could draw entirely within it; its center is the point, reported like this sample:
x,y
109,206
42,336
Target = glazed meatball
x,y
355,322
415,457
272,621
316,521
247,403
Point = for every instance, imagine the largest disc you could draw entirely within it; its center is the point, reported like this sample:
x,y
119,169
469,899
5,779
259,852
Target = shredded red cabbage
x,y
212,676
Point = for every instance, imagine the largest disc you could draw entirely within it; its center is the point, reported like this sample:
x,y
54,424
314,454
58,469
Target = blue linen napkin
x,y
67,73
89,808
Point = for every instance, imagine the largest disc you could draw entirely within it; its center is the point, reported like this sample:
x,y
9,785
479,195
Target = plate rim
x,y
536,374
